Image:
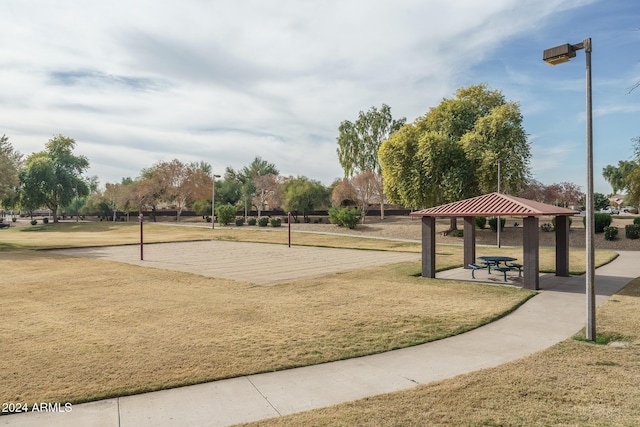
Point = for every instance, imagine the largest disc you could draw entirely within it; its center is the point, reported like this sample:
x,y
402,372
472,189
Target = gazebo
x,y
499,205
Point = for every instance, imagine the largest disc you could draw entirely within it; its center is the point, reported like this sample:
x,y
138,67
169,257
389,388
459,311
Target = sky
x,y
143,81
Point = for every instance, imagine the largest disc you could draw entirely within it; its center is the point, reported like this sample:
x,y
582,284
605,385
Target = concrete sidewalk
x,y
555,314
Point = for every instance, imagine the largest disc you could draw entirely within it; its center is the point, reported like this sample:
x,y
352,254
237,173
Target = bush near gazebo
x,y
602,220
481,222
632,231
610,233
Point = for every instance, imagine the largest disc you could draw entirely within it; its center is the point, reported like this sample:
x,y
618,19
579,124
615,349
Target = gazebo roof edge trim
x,y
495,204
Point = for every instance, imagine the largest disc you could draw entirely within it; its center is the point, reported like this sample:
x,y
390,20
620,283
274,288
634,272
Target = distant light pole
x,y
213,200
558,55
499,222
76,202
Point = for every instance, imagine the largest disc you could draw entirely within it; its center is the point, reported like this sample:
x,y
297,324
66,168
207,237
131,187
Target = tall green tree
x,y
450,153
499,136
52,177
359,142
10,163
302,195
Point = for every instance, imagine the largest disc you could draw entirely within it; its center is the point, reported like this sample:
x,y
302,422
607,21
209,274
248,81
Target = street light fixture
x,y
558,55
213,200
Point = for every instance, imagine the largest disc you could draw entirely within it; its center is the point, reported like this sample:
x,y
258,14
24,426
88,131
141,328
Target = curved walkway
x,y
555,314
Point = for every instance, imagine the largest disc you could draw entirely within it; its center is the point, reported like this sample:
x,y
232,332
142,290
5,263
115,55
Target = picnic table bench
x,y
4,225
494,261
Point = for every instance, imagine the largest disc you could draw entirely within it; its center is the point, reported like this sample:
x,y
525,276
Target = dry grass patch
x,y
80,329
66,235
573,383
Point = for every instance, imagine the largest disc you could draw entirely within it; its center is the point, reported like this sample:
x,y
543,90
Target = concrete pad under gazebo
x,y
499,205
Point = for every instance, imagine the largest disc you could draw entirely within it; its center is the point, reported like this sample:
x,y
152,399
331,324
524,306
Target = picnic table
x,y
494,261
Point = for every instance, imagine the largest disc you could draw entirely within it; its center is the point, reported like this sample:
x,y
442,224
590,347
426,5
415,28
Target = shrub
x,y
493,223
334,212
350,217
457,233
344,217
276,222
252,221
636,220
226,214
546,227
45,220
34,221
208,219
263,221
632,231
240,221
601,220
14,219
481,222
610,233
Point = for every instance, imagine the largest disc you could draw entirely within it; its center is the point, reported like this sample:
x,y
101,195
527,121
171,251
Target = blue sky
x,y
222,82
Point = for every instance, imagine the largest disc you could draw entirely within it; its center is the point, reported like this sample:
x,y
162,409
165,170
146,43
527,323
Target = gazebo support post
x,y
562,246
469,240
429,246
531,253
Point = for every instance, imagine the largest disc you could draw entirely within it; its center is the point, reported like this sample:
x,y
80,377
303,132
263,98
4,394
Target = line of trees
x,y
180,186
450,153
53,179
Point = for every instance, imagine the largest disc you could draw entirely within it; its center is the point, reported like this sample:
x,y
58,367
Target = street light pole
x,y
499,222
559,55
213,199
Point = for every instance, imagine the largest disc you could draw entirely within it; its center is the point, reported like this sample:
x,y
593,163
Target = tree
x,y
617,176
451,152
343,193
359,142
117,196
632,178
51,177
267,192
228,191
244,177
181,184
10,163
600,201
364,185
561,194
499,136
259,167
302,195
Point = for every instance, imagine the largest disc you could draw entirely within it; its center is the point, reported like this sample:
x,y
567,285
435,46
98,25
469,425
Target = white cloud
x,y
223,82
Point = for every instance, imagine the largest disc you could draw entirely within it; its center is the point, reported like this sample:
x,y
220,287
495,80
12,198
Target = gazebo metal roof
x,y
495,204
